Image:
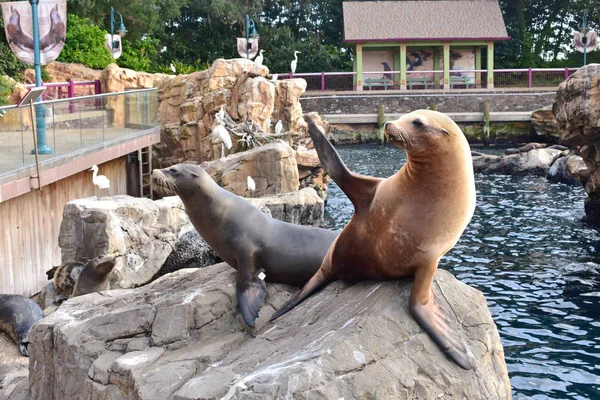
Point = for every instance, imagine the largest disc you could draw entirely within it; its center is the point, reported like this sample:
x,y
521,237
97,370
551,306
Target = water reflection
x,y
527,250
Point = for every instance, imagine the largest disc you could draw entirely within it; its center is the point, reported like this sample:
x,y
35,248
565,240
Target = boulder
x,y
534,162
577,111
545,125
272,166
287,102
310,171
14,372
304,207
142,230
569,169
181,337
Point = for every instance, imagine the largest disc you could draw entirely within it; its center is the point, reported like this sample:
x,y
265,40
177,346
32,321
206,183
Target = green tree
x,y
85,44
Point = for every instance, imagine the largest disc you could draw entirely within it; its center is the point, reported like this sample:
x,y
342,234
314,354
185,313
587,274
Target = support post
x,y
71,94
40,114
446,66
359,67
322,81
397,66
380,122
566,73
490,65
478,66
530,77
436,67
486,124
403,79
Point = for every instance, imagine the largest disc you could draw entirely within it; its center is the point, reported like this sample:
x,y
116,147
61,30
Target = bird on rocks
x,y
278,127
173,68
274,78
258,61
100,181
294,62
220,132
251,185
268,124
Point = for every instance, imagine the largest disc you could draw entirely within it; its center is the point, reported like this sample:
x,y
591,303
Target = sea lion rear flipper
x,y
251,293
314,284
434,320
358,188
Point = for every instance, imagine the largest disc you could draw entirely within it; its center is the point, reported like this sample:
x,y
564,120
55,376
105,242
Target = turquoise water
x,y
537,263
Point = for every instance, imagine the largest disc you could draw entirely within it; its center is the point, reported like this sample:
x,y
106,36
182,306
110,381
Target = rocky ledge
x,y
181,337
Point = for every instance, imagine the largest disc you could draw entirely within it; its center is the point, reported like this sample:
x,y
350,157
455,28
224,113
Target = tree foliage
x,y
85,44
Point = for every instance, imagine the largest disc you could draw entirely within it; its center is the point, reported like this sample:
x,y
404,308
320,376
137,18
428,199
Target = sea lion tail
x,y
314,284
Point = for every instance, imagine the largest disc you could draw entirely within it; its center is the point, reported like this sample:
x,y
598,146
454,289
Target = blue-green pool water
x,y
537,263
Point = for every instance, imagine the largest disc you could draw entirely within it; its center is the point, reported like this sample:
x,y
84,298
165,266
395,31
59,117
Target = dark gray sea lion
x,y
94,275
17,315
245,238
526,148
404,224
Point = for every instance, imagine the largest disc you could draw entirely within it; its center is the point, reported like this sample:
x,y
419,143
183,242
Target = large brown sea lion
x,y
246,238
404,224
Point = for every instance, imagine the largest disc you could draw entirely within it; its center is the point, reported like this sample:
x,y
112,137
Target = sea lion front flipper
x,y
313,285
359,189
432,318
251,290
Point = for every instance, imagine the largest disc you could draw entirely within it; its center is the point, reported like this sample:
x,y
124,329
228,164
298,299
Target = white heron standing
x,y
220,132
268,124
221,114
100,181
258,61
251,185
274,78
173,68
278,127
294,62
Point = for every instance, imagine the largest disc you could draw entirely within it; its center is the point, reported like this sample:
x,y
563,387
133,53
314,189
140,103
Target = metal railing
x,y
459,79
75,124
68,89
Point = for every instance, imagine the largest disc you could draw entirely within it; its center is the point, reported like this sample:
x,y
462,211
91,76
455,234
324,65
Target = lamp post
x,y
122,30
40,111
250,25
584,30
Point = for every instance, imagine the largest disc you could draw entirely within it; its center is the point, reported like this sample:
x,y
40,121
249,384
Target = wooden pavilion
x,y
419,37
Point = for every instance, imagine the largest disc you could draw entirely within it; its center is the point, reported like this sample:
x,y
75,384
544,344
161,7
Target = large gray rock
x,y
143,230
569,169
14,373
304,207
272,166
545,125
181,337
534,162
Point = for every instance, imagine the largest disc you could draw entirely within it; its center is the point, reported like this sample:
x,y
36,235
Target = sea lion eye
x,y
172,170
417,123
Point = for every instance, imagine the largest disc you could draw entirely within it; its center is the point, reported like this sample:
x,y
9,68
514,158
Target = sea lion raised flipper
x,y
433,318
358,188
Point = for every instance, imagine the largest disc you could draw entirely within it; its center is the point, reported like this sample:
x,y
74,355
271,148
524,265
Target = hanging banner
x,y
591,41
252,51
52,20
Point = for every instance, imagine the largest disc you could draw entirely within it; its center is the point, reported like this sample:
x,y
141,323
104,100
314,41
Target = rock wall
x,y
577,111
182,338
188,104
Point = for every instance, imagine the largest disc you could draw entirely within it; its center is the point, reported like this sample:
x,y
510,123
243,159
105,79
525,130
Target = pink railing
x,y
463,79
66,90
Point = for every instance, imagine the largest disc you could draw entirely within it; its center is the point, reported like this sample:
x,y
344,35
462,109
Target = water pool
x,y
537,263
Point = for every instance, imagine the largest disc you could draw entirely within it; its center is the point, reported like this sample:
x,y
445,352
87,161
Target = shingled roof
x,y
423,20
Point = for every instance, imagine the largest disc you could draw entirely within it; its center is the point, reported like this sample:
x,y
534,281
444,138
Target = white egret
x,y
278,127
294,63
258,61
251,185
173,68
268,124
220,132
221,115
274,78
100,180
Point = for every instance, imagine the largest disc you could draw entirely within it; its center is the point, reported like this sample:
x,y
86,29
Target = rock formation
x,y
534,162
570,169
577,111
545,125
181,337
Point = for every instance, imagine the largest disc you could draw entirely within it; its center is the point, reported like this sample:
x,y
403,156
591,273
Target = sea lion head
x,y
182,179
425,131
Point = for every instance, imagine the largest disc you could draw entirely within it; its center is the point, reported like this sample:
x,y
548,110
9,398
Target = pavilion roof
x,y
423,20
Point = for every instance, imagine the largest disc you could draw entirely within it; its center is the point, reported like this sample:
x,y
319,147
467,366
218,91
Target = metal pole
x,y
40,114
247,34
35,147
112,30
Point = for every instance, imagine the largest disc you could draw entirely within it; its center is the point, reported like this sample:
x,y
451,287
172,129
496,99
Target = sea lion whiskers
x,y
396,133
164,181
